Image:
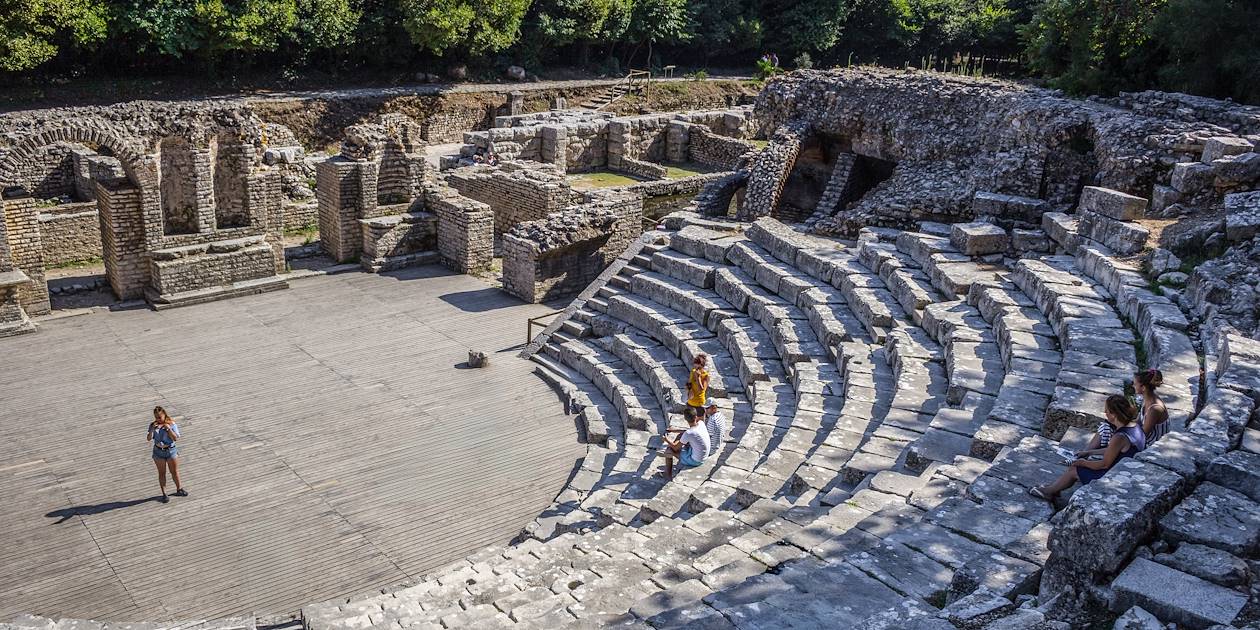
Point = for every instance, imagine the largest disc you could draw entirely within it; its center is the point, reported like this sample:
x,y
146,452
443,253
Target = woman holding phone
x,y
163,432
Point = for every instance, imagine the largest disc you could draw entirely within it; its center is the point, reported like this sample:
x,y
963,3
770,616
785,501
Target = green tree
x,y
211,29
33,31
655,21
475,27
1093,46
804,25
1210,47
325,24
727,27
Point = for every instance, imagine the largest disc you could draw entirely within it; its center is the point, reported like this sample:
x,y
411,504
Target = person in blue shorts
x,y
691,447
163,432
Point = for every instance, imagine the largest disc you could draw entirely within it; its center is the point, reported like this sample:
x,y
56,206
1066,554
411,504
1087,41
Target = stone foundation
x,y
70,233
394,242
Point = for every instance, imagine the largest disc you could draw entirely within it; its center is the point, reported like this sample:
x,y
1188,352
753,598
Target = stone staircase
x,y
891,399
606,98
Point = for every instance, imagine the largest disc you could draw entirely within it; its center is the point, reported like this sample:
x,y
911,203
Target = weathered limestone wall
x,y
70,233
232,162
200,266
516,192
345,189
26,251
465,229
709,148
952,137
559,255
391,242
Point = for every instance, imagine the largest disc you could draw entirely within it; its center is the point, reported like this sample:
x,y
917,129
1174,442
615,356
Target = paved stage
x,y
333,443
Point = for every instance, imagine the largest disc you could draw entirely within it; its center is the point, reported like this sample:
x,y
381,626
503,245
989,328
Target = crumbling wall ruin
x,y
557,256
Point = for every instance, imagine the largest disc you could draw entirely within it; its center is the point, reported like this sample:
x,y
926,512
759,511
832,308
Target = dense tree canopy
x,y
1084,46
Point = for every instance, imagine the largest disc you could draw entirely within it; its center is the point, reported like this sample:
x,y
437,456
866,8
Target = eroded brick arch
x,y
126,214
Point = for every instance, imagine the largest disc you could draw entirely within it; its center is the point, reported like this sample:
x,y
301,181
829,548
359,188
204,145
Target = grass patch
x,y
686,170
309,232
79,264
760,144
601,179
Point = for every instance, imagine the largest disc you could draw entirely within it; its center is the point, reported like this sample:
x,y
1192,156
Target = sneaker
x,y
181,493
164,499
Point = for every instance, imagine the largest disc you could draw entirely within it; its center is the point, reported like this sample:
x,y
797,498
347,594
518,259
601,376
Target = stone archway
x,y
128,210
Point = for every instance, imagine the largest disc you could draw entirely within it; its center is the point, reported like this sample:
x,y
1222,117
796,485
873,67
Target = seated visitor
x,y
1127,440
690,448
492,159
698,383
1154,417
1097,445
715,422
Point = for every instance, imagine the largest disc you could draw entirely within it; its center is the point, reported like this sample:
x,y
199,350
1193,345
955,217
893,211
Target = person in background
x,y
690,448
163,432
1127,440
1154,416
698,383
715,422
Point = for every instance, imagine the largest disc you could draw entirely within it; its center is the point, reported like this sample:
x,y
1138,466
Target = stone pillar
x,y
13,319
346,190
516,103
555,145
677,139
123,238
770,170
26,250
465,230
265,201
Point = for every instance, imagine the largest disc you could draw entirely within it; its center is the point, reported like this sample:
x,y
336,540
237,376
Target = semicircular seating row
x,y
891,401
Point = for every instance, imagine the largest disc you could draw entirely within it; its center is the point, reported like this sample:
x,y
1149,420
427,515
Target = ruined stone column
x,y
465,229
123,237
346,191
770,170
26,250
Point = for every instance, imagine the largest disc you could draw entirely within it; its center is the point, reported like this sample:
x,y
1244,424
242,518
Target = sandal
x,y
180,493
1036,492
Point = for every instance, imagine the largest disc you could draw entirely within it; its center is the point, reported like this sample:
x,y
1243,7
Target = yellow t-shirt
x,y
694,389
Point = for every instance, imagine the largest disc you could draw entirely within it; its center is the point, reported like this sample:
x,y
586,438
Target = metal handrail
x,y
534,321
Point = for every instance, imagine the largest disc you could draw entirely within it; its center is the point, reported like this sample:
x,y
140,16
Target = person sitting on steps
x,y
1127,440
715,422
1154,416
690,448
1097,445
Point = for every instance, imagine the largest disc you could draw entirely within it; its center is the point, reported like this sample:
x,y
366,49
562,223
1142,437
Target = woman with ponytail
x,y
1154,414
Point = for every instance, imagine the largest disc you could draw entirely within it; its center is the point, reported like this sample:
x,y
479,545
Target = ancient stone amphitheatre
x,y
916,290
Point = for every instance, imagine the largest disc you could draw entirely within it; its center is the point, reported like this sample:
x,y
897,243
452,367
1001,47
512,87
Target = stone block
x,y
1238,471
1105,521
1122,237
1111,203
1175,596
1221,146
1217,517
1213,565
1242,218
1189,178
979,239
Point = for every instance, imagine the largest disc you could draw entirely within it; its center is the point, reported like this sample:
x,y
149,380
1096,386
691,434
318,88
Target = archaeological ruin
x,y
915,291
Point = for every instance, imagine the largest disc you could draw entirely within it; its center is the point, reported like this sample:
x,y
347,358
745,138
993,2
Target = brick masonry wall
x,y
707,147
26,252
465,229
212,268
70,233
515,193
398,235
123,241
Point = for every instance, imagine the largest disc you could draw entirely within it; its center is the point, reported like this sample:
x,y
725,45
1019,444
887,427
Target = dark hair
x,y
1122,408
1150,379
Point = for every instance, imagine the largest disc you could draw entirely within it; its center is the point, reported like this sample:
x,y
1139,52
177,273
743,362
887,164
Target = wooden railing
x,y
537,321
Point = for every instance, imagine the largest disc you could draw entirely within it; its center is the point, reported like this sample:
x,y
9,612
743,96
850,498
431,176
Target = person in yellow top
x,y
698,382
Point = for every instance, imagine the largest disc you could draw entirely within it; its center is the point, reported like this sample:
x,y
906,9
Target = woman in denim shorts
x,y
163,432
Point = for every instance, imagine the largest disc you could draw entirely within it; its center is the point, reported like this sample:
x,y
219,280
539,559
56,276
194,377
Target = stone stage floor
x,y
333,443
